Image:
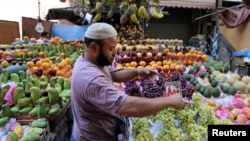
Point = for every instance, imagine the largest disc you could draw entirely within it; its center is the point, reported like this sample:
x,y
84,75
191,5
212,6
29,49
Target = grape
x,y
150,89
193,118
176,76
132,88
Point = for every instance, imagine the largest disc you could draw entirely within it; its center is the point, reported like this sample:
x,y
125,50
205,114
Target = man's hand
x,y
146,72
176,100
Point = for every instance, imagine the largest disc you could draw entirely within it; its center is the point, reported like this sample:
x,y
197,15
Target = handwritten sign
x,y
172,88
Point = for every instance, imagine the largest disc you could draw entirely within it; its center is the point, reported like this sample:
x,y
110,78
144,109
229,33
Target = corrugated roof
x,y
199,4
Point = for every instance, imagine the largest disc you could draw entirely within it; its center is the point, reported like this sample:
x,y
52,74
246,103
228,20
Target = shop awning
x,y
199,4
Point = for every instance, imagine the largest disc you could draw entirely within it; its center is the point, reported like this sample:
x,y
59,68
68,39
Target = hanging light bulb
x,y
39,26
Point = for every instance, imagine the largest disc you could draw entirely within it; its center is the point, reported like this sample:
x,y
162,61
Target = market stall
x,y
35,83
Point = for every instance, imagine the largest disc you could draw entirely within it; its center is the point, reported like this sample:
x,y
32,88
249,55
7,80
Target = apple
x,y
241,118
139,55
159,68
124,48
144,53
159,54
247,101
134,58
39,72
139,48
149,55
134,48
118,47
155,58
52,72
246,111
233,113
133,53
150,48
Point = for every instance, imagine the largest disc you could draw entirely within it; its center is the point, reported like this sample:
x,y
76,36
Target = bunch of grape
x,y
150,89
188,91
144,136
196,132
139,125
131,88
183,82
172,134
175,76
162,79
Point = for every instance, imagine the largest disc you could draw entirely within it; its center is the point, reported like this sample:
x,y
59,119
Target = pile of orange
x,y
64,68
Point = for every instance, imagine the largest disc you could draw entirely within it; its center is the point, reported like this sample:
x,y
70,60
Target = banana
x,y
156,12
97,17
142,12
132,9
134,18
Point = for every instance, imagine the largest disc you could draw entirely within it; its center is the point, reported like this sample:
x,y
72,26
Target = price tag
x,y
173,88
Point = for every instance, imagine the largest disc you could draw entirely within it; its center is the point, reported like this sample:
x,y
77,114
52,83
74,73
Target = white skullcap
x,y
100,31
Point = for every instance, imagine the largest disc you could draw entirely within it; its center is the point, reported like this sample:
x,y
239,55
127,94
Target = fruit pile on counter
x,y
35,87
213,93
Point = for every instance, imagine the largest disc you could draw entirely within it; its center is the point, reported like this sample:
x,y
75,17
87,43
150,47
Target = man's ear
x,y
93,46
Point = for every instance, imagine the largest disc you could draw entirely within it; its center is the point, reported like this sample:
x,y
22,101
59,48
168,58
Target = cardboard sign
x,y
172,88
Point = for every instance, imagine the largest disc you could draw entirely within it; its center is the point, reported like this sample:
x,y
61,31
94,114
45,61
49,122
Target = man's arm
x,y
124,75
127,74
139,107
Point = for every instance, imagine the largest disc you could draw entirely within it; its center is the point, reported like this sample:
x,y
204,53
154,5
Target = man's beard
x,y
102,60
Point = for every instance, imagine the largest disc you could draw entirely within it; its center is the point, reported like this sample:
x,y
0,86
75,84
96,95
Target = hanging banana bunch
x,y
132,9
156,12
97,17
134,18
100,6
142,12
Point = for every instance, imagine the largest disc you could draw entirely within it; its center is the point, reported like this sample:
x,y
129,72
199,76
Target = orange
x,y
30,64
60,73
151,63
164,62
142,63
159,63
165,68
33,70
45,65
39,63
47,60
179,68
133,64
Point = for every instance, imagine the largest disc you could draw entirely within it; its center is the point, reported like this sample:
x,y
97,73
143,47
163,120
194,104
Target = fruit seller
x,y
98,107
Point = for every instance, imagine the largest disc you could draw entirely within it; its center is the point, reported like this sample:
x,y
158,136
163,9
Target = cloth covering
x,y
235,16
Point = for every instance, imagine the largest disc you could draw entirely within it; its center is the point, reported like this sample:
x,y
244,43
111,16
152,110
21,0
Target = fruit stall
x,y
35,88
35,84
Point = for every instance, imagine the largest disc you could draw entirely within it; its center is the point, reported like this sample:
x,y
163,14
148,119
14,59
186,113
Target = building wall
x,y
238,37
179,24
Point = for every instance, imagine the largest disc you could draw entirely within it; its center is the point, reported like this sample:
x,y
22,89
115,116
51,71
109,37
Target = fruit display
x,y
36,85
